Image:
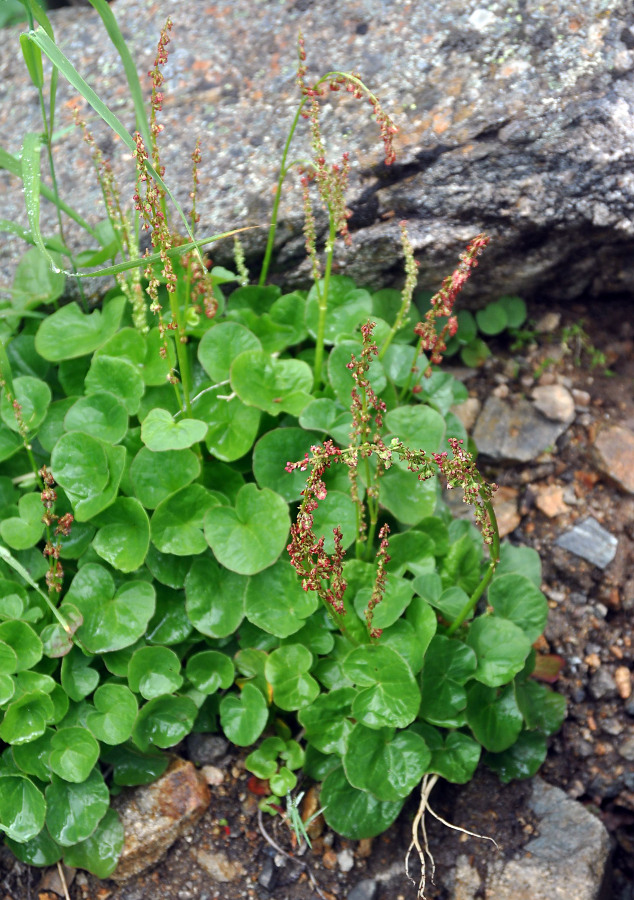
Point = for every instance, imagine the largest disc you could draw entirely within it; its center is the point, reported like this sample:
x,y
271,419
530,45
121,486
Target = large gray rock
x,y
515,119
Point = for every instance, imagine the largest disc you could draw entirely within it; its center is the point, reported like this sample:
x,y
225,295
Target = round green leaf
x,y
89,471
231,425
340,376
457,758
448,665
132,766
270,455
273,385
26,718
33,396
68,333
327,720
475,353
164,721
542,708
41,850
519,561
160,432
352,813
515,310
214,598
493,716
167,569
100,852
124,534
154,671
111,620
22,808
338,510
74,752
492,319
7,687
408,499
75,810
169,624
276,602
387,765
220,345
521,760
209,671
78,677
348,307
24,641
115,713
244,716
251,536
177,523
33,758
501,648
100,415
418,427
25,531
118,376
388,692
515,597
397,596
8,659
286,670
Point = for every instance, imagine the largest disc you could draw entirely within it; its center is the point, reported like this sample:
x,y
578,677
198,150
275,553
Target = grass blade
x,y
31,148
12,164
136,92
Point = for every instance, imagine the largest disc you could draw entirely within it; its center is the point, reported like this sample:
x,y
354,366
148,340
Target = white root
x,y
424,853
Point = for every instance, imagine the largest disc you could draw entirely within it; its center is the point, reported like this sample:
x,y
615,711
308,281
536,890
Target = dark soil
x,y
590,627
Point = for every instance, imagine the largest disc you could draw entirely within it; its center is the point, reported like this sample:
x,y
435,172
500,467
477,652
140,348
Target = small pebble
x,y
623,681
345,860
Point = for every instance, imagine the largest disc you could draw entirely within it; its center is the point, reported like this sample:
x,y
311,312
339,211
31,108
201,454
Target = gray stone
x,y
555,402
626,749
517,119
615,450
364,890
204,749
591,542
566,860
218,865
514,431
602,684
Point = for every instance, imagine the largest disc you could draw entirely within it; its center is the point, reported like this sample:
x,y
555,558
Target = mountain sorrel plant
x,y
145,485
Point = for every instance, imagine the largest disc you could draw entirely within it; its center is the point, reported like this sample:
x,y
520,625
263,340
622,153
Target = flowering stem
x,y
484,583
323,304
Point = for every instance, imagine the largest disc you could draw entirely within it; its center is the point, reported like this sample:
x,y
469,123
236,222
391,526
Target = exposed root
x,y
60,872
424,853
298,862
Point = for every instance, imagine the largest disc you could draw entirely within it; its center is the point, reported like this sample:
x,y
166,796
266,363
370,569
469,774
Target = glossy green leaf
x,y
22,808
408,499
123,537
542,708
24,641
270,455
33,397
286,670
276,602
327,721
24,531
263,760
132,766
111,620
492,319
448,665
74,752
273,385
120,377
41,850
386,764
33,758
115,712
251,536
396,598
348,307
340,377
388,694
352,813
177,524
169,624
160,432
75,810
214,598
493,716
244,716
520,561
89,471
402,637
167,569
57,640
501,649
337,511
521,760
77,675
208,671
220,345
164,721
68,332
154,671
231,425
100,852
100,415
454,758
515,597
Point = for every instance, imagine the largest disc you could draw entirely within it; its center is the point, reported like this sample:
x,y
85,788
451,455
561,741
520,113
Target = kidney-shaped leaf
x,y
448,665
154,671
251,536
160,432
68,332
164,721
22,808
493,716
352,813
100,852
115,712
244,716
156,475
515,597
276,601
220,345
124,534
209,671
287,670
273,385
388,693
501,648
387,765
214,598
75,810
177,524
74,752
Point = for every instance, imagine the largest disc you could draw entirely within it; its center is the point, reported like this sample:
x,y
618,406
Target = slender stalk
x,y
323,304
486,580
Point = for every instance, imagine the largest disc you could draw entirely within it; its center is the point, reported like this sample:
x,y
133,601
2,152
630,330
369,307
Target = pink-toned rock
x,y
505,506
555,402
615,449
155,815
550,500
467,412
218,865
